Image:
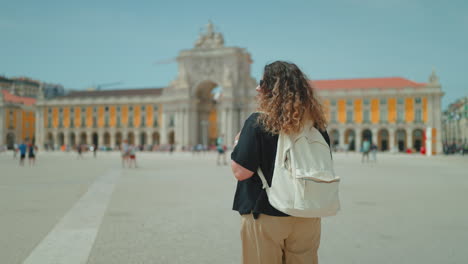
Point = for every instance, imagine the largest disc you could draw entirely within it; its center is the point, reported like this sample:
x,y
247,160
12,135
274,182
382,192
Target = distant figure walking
x,y
125,152
95,150
221,148
22,148
31,154
132,156
365,150
374,152
79,149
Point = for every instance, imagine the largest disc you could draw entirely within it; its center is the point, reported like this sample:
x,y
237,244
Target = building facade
x,y
17,119
394,113
455,122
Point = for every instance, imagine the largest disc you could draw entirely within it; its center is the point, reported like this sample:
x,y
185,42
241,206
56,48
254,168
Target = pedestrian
x,y
79,149
287,102
220,147
15,151
365,150
32,154
95,150
125,152
132,156
22,149
374,152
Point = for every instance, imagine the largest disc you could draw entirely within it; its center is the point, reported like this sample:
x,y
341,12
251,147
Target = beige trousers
x,y
279,240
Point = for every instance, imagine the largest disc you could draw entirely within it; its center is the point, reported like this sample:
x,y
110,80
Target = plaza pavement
x,y
177,209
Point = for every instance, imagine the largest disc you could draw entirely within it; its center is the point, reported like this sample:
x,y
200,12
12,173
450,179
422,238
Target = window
x,y
383,101
366,116
143,121
155,122
94,109
400,115
366,101
83,121
130,108
49,122
418,115
50,110
130,121
118,108
60,109
171,121
401,101
333,102
72,122
107,109
349,116
106,121
383,115
349,102
155,108
72,110
417,100
118,121
333,116
94,121
143,108
83,109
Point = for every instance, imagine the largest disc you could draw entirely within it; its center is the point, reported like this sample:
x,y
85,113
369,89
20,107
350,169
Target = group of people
x,y
368,148
24,149
128,154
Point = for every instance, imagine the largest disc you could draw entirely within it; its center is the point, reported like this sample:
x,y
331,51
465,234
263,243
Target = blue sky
x,y
84,43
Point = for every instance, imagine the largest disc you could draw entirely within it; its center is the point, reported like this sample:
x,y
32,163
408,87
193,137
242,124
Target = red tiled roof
x,y
367,83
11,98
120,92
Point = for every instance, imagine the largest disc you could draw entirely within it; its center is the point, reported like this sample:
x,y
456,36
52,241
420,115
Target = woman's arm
x,y
240,172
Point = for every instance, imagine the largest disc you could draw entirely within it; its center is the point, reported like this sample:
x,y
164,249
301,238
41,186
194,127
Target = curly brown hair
x,y
287,100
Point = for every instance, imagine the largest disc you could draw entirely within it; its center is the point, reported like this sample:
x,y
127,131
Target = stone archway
x,y
350,139
207,65
143,139
72,139
418,139
400,139
155,138
83,139
366,135
95,139
207,112
50,141
335,138
131,138
60,139
107,139
382,140
118,139
171,137
10,140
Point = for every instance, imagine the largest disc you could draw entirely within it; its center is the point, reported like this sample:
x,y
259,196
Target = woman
x,y
286,101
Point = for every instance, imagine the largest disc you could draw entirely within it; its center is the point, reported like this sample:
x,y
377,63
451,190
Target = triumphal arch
x,y
213,93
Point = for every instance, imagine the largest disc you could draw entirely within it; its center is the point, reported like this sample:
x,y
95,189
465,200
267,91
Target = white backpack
x,y
304,182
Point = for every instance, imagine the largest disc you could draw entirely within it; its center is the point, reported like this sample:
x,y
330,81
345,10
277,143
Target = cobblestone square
x,y
177,209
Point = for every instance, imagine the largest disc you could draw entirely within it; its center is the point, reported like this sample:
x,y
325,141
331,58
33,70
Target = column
x,y
358,139
229,137
409,138
178,130
112,139
163,135
2,121
89,140
391,139
66,137
342,138
375,133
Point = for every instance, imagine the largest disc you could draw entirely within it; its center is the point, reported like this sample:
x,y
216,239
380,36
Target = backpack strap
x,y
262,177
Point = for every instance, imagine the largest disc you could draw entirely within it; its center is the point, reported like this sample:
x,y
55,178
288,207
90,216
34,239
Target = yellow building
x,y
17,119
393,113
